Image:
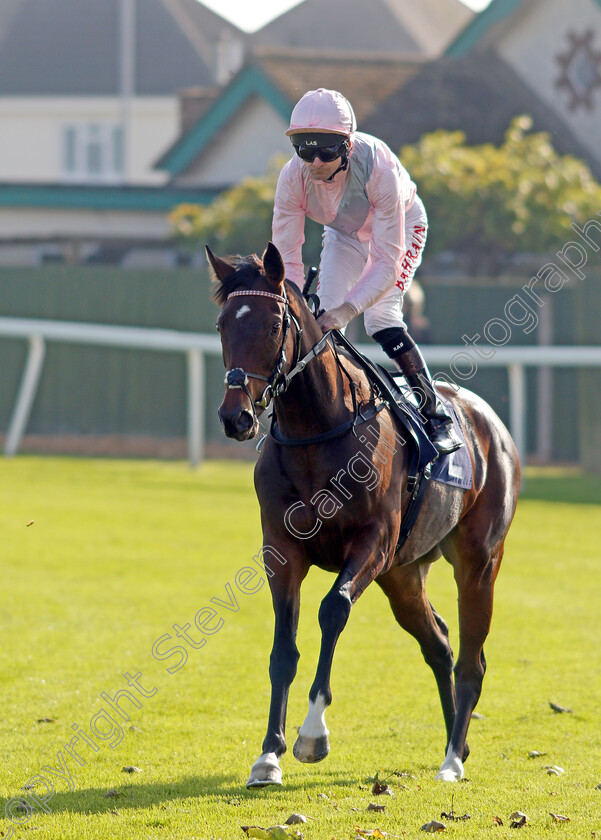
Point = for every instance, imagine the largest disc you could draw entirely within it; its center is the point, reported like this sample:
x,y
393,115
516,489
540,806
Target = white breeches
x,y
343,260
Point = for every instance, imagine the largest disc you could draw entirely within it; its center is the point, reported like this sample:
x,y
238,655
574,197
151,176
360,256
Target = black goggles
x,y
325,153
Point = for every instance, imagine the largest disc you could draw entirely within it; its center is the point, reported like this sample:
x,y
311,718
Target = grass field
x,y
101,558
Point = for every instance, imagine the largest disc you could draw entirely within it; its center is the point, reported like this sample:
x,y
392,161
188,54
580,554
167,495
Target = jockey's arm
x,y
288,227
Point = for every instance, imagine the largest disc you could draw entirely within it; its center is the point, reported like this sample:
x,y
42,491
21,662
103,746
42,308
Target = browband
x,y
257,292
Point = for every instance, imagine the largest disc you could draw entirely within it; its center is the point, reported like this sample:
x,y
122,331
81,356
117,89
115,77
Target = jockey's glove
x,y
337,318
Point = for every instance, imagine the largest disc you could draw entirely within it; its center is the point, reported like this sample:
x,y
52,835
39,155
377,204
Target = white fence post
x,y
196,406
26,394
518,408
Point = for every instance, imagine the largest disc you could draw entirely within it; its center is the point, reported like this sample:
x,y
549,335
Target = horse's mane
x,y
246,271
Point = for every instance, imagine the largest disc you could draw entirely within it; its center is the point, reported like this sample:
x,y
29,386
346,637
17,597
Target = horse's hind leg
x,y
405,587
475,584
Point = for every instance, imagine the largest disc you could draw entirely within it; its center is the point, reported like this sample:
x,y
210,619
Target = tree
x,y
489,203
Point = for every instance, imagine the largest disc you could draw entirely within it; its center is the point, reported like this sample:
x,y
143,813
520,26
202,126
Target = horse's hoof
x,y
451,770
265,771
311,750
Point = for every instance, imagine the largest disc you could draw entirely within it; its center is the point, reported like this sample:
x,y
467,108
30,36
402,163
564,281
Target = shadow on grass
x,y
224,789
566,485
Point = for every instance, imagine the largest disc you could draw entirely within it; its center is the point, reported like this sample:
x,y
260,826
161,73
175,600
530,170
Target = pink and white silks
x,y
375,229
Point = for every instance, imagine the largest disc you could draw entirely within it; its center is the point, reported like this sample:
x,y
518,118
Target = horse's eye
x,y
275,328
217,326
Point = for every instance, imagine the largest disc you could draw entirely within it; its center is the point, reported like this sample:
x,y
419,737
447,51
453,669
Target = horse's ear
x,y
221,269
274,266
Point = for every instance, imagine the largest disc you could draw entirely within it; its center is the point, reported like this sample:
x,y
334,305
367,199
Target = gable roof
x,y
365,78
281,77
71,47
480,27
479,94
390,26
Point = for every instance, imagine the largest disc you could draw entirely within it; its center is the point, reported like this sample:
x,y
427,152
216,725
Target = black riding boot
x,y
404,352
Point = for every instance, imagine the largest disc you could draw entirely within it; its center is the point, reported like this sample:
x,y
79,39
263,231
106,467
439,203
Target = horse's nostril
x,y
244,421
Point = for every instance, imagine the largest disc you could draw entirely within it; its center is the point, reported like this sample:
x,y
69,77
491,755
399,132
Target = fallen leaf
x,y
536,754
28,787
554,770
497,820
110,793
131,769
451,816
518,819
373,807
382,790
322,796
559,817
372,832
433,826
46,720
477,716
559,709
598,787
293,819
31,522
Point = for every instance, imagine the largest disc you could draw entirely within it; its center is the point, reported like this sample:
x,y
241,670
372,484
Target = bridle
x,y
277,382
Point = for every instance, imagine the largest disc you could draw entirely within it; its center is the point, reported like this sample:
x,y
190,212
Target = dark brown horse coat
x,y
338,504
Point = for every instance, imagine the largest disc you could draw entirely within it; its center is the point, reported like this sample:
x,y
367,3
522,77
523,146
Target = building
x,y
88,101
541,57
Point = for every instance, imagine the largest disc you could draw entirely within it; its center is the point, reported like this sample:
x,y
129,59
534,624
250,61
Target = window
x,y
93,152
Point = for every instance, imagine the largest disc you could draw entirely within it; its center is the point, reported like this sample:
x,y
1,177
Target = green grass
x,y
118,552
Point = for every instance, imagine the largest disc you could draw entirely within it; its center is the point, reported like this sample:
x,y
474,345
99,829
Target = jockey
x,y
375,229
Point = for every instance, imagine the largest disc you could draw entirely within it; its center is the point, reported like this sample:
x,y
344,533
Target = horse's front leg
x,y
312,743
285,581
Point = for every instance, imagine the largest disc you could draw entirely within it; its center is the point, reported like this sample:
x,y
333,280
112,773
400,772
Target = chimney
x,y
229,56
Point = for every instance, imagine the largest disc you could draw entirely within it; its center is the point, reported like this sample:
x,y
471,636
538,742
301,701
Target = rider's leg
x,y
384,323
404,352
340,266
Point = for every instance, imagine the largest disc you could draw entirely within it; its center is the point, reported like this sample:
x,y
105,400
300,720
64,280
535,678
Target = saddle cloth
x,y
456,467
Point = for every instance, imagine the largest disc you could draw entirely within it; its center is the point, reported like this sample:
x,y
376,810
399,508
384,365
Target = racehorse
x,y
332,480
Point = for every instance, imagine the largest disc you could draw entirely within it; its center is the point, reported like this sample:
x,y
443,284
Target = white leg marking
x,y
314,725
265,771
452,768
312,743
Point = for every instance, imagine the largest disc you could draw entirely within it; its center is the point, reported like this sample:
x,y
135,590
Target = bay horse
x,y
330,497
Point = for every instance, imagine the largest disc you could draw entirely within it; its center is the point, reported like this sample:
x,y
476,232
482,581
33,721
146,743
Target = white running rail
x,y
195,346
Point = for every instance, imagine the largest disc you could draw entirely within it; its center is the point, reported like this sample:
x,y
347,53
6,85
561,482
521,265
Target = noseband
x,y
276,382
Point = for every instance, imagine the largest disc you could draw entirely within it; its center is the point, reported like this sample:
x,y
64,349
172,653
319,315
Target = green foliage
x,y
117,552
488,202
239,220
